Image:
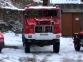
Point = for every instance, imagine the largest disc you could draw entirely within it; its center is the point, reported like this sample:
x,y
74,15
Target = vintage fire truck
x,y
41,26
78,40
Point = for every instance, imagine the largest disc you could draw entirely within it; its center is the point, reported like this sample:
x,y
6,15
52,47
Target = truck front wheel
x,y
56,47
27,48
77,46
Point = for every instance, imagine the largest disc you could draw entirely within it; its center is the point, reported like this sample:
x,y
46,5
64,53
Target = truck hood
x,y
32,21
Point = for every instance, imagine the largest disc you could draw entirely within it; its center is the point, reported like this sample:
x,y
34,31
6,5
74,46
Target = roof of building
x,y
66,2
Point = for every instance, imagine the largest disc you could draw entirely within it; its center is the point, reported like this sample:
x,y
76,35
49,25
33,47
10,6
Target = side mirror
x,y
26,15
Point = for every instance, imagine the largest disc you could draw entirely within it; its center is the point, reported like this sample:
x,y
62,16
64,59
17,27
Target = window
x,y
50,12
68,6
62,6
34,13
74,6
80,6
48,29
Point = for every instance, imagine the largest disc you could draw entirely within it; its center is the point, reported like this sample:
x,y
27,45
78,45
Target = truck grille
x,y
43,22
44,29
48,28
38,29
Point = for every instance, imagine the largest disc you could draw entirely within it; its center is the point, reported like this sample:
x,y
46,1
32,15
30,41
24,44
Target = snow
x,y
37,1
7,4
66,2
38,54
44,7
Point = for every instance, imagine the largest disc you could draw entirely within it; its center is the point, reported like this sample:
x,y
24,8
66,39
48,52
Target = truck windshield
x,y
35,13
50,12
31,13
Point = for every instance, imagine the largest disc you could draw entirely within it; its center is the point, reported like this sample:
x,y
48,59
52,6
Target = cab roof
x,y
43,7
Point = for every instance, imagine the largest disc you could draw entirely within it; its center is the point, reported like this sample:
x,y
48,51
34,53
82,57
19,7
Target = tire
x,y
56,47
0,50
27,48
77,46
26,45
24,40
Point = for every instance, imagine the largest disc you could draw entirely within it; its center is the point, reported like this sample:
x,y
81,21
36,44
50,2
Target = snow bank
x,y
7,4
39,54
37,1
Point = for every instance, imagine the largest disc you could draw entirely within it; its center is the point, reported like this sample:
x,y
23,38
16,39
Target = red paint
x,y
1,37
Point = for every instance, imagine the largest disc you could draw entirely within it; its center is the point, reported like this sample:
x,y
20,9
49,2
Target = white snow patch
x,y
37,1
39,54
7,4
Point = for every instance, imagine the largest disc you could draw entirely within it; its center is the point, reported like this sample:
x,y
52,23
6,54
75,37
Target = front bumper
x,y
43,36
42,42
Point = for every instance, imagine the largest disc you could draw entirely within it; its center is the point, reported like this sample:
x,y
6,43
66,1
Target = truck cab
x,y
41,27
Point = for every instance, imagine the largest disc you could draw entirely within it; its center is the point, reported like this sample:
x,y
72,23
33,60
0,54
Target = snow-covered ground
x,y
38,54
38,1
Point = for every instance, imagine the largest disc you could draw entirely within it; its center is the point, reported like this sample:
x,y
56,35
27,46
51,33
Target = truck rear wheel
x,y
56,47
77,46
27,48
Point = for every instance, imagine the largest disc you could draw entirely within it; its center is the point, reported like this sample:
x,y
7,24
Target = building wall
x,y
72,17
71,23
71,7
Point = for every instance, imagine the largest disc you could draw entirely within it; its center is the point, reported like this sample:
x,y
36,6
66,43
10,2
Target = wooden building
x,y
72,16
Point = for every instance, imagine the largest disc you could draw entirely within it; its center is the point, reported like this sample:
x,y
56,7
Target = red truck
x,y
78,40
41,26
